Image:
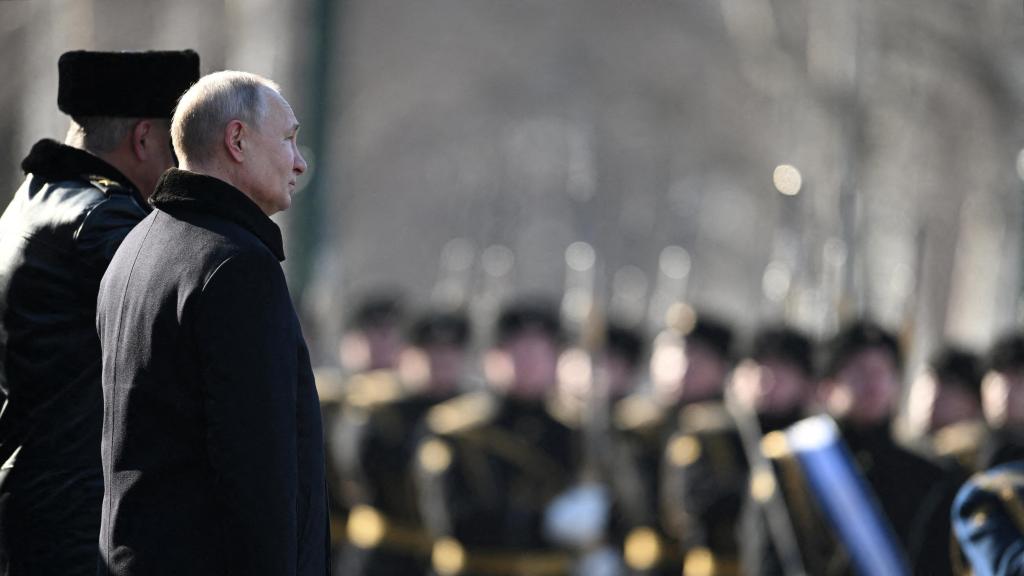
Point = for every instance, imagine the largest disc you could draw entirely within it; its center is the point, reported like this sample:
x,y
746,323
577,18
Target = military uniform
x,y
640,427
488,469
988,521
363,364
705,473
379,434
57,237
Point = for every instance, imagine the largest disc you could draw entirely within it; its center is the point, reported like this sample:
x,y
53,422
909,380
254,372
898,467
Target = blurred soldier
x,y
689,364
378,437
59,232
1002,394
774,385
374,339
494,461
944,407
369,353
988,521
860,388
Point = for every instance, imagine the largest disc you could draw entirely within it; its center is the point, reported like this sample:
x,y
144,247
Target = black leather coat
x,y
212,447
56,238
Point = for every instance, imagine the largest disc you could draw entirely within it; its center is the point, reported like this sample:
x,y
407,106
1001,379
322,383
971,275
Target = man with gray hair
x,y
212,442
57,235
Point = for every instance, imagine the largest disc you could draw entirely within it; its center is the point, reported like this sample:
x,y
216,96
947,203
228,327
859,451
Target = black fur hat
x,y
124,84
713,333
854,338
529,314
785,344
440,328
958,367
1007,353
624,341
384,308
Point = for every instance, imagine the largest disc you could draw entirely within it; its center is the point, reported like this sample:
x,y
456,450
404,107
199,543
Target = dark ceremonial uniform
x,y
988,521
640,429
752,529
912,493
704,481
488,469
57,237
379,433
59,233
378,314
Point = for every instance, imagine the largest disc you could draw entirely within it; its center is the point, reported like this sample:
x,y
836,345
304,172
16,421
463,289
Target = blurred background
x,y
761,159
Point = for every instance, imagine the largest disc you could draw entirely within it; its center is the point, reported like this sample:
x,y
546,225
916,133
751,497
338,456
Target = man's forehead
x,y
277,103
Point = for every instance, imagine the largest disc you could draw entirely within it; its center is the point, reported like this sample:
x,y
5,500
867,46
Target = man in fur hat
x,y
77,203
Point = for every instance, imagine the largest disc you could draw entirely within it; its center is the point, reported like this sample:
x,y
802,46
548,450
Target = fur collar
x,y
198,192
52,161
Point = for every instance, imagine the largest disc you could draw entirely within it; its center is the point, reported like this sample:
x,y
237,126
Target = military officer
x,y
57,236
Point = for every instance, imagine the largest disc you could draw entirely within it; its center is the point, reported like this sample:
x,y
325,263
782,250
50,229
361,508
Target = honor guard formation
x,y
535,449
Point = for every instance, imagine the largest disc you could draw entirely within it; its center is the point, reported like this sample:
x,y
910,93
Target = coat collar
x,y
52,161
198,192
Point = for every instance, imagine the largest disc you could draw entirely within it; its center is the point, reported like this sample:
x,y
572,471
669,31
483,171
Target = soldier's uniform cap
x,y
378,310
855,338
711,332
526,315
959,367
124,84
440,328
625,342
1007,353
784,344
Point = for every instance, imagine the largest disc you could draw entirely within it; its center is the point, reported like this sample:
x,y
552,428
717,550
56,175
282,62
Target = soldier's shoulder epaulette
x,y
962,441
330,384
638,412
462,413
706,418
369,390
683,449
107,186
570,414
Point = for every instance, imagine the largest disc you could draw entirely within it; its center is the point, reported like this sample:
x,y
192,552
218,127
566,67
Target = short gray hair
x,y
99,133
210,104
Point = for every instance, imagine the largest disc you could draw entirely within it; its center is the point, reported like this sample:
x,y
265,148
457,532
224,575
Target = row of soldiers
x,y
615,459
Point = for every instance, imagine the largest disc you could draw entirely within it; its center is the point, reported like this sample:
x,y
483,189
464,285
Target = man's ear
x,y
142,140
234,140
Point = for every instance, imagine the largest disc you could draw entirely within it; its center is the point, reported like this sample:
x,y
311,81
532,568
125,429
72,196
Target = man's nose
x,y
300,163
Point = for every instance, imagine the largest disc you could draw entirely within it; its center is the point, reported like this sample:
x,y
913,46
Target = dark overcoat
x,y
212,441
57,236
